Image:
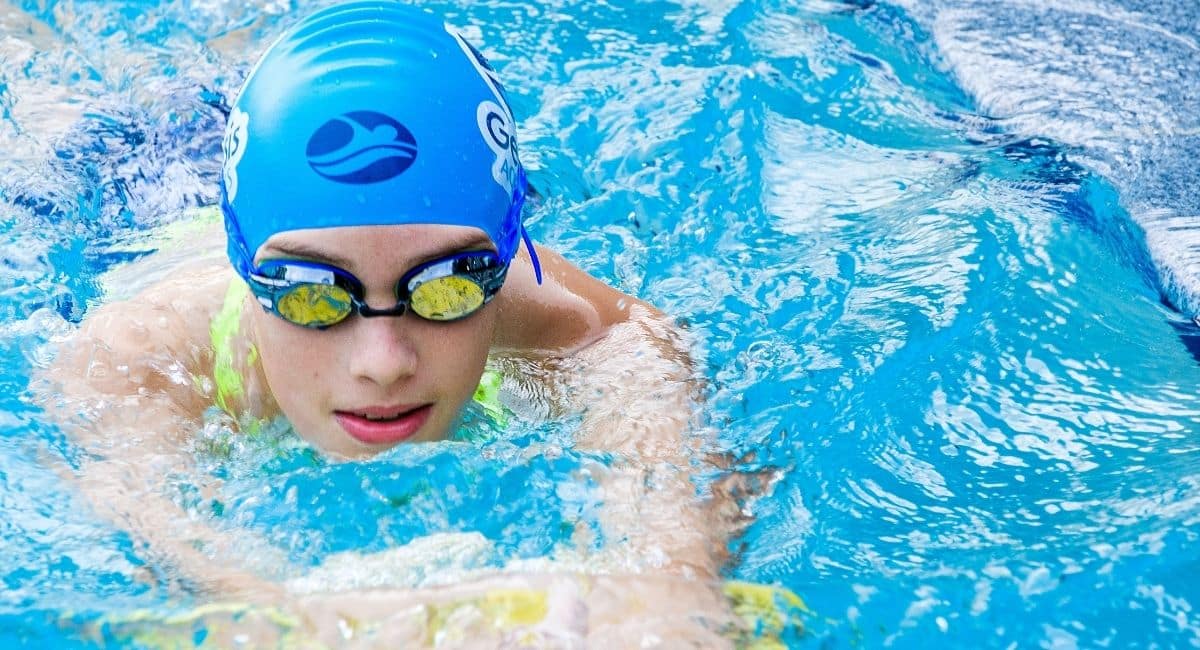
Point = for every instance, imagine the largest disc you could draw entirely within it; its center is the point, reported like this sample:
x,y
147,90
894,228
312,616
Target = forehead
x,y
357,248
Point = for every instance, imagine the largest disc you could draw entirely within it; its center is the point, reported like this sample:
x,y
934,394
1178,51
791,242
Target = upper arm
x,y
631,378
126,389
568,311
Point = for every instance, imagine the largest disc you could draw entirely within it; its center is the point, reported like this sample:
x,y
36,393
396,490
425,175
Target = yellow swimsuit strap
x,y
227,376
230,383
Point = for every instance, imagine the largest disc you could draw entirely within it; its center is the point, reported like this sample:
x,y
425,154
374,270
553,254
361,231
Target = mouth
x,y
381,425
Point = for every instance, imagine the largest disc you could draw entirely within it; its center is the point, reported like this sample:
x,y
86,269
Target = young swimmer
x,y
372,200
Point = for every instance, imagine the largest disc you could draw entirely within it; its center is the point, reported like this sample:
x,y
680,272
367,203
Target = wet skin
x,y
367,384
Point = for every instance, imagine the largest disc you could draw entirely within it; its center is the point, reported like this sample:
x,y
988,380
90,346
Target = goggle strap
x,y
238,253
537,267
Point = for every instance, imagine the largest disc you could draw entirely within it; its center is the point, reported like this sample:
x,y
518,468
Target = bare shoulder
x,y
569,310
154,342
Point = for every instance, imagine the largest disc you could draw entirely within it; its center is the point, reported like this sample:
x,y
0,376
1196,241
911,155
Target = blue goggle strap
x,y
514,217
239,255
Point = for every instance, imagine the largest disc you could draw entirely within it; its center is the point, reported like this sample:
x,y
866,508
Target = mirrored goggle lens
x,y
446,298
315,305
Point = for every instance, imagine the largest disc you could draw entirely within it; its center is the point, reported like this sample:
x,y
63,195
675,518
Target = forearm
x,y
561,610
186,548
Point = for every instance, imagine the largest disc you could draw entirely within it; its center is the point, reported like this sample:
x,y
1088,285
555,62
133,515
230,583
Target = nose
x,y
382,351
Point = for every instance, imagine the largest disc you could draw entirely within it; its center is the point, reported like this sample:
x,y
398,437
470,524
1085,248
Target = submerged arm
x,y
640,398
129,390
626,368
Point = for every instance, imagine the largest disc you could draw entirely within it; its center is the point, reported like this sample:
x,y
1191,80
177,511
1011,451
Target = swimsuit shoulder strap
x,y
487,396
227,376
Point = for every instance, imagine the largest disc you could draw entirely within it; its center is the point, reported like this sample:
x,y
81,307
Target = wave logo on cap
x,y
361,147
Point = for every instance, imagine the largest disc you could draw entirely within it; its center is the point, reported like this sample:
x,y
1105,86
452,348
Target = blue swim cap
x,y
371,113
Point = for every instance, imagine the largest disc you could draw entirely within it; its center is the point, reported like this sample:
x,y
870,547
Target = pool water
x,y
934,258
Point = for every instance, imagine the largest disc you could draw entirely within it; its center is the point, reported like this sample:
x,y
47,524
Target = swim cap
x,y
371,113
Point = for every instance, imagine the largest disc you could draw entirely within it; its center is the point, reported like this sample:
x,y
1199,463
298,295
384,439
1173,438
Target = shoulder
x,y
570,309
171,313
157,340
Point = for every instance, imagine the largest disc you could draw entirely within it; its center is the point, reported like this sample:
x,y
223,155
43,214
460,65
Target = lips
x,y
381,425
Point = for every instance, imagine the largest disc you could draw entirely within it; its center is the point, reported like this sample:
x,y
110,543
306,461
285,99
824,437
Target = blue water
x,y
935,258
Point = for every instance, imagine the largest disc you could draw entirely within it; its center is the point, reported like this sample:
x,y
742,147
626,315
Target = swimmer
x,y
371,196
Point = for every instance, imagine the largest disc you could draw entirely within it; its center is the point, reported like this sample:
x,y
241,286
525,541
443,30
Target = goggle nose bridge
x,y
367,311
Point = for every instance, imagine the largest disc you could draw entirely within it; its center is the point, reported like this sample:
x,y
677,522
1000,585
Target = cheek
x,y
291,357
458,350
476,337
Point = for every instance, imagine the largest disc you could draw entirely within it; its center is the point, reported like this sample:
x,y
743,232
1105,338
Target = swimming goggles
x,y
311,294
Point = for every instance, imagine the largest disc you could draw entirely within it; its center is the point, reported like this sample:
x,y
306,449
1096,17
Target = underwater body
x,y
936,259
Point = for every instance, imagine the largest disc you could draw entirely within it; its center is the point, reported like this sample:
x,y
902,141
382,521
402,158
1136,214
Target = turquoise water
x,y
929,304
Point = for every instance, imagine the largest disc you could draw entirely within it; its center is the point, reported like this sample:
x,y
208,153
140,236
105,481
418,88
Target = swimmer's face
x,y
367,384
